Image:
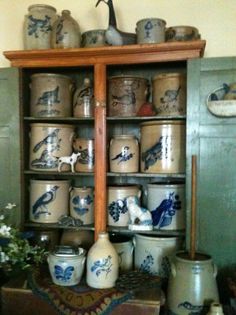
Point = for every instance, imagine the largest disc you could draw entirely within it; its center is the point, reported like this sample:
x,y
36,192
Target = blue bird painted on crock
x,y
162,215
41,204
102,265
49,97
52,139
153,154
124,155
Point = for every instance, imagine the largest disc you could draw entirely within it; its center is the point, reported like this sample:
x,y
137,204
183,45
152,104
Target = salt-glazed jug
x,y
65,32
192,284
38,26
102,263
66,265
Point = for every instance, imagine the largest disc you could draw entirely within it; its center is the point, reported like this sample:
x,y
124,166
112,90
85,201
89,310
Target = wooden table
x,y
17,299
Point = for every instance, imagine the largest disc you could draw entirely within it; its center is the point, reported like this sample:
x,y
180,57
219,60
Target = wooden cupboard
x,y
98,64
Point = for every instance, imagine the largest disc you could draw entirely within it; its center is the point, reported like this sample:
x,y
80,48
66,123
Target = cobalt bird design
x,y
41,204
194,309
128,99
49,97
170,96
163,214
63,274
86,156
102,266
155,153
81,204
85,91
123,156
51,139
38,25
59,35
46,160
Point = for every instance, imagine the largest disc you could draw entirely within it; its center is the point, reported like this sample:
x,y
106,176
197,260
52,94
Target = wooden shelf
x,y
130,54
99,59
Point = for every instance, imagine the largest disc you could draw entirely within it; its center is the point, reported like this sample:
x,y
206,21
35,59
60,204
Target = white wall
x,y
215,19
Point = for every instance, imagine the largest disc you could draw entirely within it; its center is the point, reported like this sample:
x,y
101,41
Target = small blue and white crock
x,y
66,265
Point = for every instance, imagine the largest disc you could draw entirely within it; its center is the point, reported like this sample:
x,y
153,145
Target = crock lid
x,y
68,251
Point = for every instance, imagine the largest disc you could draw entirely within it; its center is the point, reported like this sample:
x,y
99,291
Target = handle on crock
x,y
173,269
215,270
134,242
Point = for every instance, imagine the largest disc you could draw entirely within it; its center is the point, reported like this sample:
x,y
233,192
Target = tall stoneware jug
x,y
38,26
102,263
65,32
192,284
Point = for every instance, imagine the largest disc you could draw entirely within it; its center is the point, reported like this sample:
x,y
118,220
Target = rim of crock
x,y
189,260
162,122
42,6
127,77
151,18
57,75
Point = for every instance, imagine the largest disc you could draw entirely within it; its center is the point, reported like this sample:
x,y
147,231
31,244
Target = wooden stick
x,y
193,209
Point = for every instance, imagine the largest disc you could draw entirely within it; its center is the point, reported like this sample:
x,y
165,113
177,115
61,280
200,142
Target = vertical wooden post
x,y
100,149
193,210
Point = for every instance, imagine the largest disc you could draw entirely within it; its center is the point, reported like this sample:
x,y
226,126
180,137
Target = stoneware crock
x,y
192,284
66,265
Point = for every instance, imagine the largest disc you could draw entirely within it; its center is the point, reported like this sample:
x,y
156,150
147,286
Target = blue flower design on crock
x,y
116,208
102,266
80,204
63,274
163,214
147,263
39,25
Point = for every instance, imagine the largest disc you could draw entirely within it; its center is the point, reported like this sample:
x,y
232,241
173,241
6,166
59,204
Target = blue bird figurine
x,y
113,35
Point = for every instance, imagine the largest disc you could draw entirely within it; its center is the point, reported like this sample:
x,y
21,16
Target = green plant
x,y
16,252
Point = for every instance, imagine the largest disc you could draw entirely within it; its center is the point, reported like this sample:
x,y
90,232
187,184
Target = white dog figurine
x,y
68,160
140,218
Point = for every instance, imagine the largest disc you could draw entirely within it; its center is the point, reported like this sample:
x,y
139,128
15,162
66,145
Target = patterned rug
x,y
75,300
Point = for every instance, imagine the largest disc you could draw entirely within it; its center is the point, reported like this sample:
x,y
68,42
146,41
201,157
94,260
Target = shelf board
x,y
124,230
110,174
89,227
53,173
59,119
110,229
109,55
145,118
88,119
160,175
